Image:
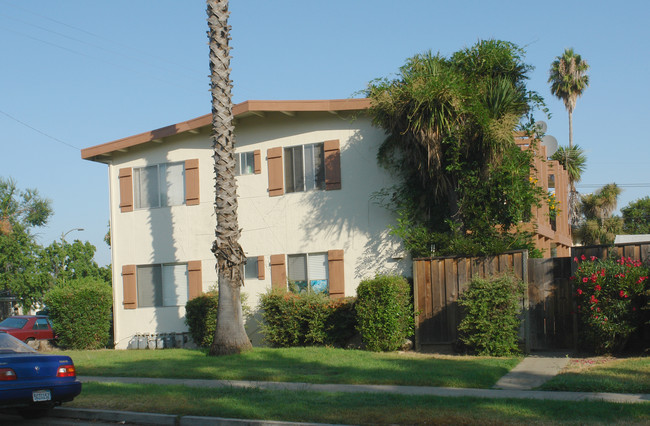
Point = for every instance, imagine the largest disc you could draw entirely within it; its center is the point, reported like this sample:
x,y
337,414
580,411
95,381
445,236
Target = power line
x,y
39,131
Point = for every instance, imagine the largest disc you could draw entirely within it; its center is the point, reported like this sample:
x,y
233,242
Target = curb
x,y
163,419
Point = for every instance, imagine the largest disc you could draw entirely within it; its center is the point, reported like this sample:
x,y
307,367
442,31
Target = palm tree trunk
x,y
570,129
230,335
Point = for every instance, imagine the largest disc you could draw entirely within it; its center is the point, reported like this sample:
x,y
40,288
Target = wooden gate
x,y
550,302
438,282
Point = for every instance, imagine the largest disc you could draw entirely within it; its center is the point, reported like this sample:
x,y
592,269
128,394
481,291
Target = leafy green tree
x,y
63,261
450,125
598,225
20,213
636,216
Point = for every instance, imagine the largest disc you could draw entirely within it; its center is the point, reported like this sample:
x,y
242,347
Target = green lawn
x,y
626,375
310,365
349,408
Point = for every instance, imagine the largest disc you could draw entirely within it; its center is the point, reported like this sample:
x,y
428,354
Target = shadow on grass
x,y
310,365
356,408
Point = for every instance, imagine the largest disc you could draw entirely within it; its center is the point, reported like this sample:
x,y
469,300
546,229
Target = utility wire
x,y
39,131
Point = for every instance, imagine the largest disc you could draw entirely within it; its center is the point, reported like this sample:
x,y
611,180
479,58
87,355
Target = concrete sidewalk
x,y
533,371
530,373
400,390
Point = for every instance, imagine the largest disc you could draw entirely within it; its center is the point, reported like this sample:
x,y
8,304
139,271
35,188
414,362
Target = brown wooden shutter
x,y
194,278
126,189
278,272
192,182
257,157
276,178
260,267
332,165
130,289
336,273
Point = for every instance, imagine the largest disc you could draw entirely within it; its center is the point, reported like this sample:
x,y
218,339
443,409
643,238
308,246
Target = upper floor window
x,y
159,185
245,163
304,167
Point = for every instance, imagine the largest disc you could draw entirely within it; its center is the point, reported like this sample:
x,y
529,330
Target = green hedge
x,y
80,311
384,311
201,318
311,319
490,325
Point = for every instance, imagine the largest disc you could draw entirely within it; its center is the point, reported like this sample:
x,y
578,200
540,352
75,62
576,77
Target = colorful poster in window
x,y
319,286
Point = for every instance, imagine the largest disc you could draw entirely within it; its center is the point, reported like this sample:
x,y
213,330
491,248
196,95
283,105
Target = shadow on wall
x,y
352,216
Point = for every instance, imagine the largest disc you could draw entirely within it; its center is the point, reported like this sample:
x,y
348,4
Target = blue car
x,y
33,383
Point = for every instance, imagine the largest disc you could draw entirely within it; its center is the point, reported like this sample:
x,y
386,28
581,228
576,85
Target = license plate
x,y
41,395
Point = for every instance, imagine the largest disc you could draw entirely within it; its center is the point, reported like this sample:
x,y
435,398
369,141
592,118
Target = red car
x,y
28,327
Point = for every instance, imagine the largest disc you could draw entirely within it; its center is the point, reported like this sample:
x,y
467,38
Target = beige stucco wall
x,y
305,222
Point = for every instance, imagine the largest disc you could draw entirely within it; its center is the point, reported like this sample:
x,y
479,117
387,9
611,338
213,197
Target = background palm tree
x,y
573,160
568,78
230,335
599,226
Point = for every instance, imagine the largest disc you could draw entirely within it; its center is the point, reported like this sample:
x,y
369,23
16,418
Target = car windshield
x,y
9,344
13,322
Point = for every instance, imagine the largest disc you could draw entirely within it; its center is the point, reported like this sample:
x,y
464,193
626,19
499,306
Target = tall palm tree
x,y
568,78
230,335
573,160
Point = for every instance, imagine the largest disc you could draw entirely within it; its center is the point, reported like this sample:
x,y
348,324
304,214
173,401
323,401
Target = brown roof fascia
x,y
331,105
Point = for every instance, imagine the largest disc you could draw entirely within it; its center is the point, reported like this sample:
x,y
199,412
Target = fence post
x,y
524,273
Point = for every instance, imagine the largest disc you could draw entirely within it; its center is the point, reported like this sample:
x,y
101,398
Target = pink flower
x,y
583,257
593,258
585,279
597,287
593,299
622,294
602,273
579,291
575,259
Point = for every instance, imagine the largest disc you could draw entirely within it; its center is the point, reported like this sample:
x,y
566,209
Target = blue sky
x,y
80,73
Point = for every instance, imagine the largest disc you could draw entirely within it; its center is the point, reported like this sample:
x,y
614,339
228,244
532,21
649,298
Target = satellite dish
x,y
550,143
540,127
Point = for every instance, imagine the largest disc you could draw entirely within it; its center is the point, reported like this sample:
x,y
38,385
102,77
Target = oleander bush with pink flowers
x,y
610,295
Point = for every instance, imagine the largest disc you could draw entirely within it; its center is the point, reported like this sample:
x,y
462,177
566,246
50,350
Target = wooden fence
x,y
548,319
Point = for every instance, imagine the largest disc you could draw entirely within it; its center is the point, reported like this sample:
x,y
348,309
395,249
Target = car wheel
x,y
33,413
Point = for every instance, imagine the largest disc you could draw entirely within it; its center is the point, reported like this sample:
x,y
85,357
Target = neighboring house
x,y
307,174
552,230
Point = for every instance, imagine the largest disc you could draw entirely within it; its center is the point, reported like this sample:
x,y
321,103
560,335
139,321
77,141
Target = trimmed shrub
x,y
306,319
80,311
610,298
491,322
384,310
201,316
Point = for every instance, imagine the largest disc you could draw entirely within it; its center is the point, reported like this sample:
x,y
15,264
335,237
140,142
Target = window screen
x,y
159,185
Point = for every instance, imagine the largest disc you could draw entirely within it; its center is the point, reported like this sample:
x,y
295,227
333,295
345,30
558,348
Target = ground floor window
x,y
307,273
162,285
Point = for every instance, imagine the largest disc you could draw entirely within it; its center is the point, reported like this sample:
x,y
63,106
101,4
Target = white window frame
x,y
161,175
250,269
245,163
171,294
312,175
311,273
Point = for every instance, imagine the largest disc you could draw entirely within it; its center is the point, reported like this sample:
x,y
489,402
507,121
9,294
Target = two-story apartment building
x,y
307,172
